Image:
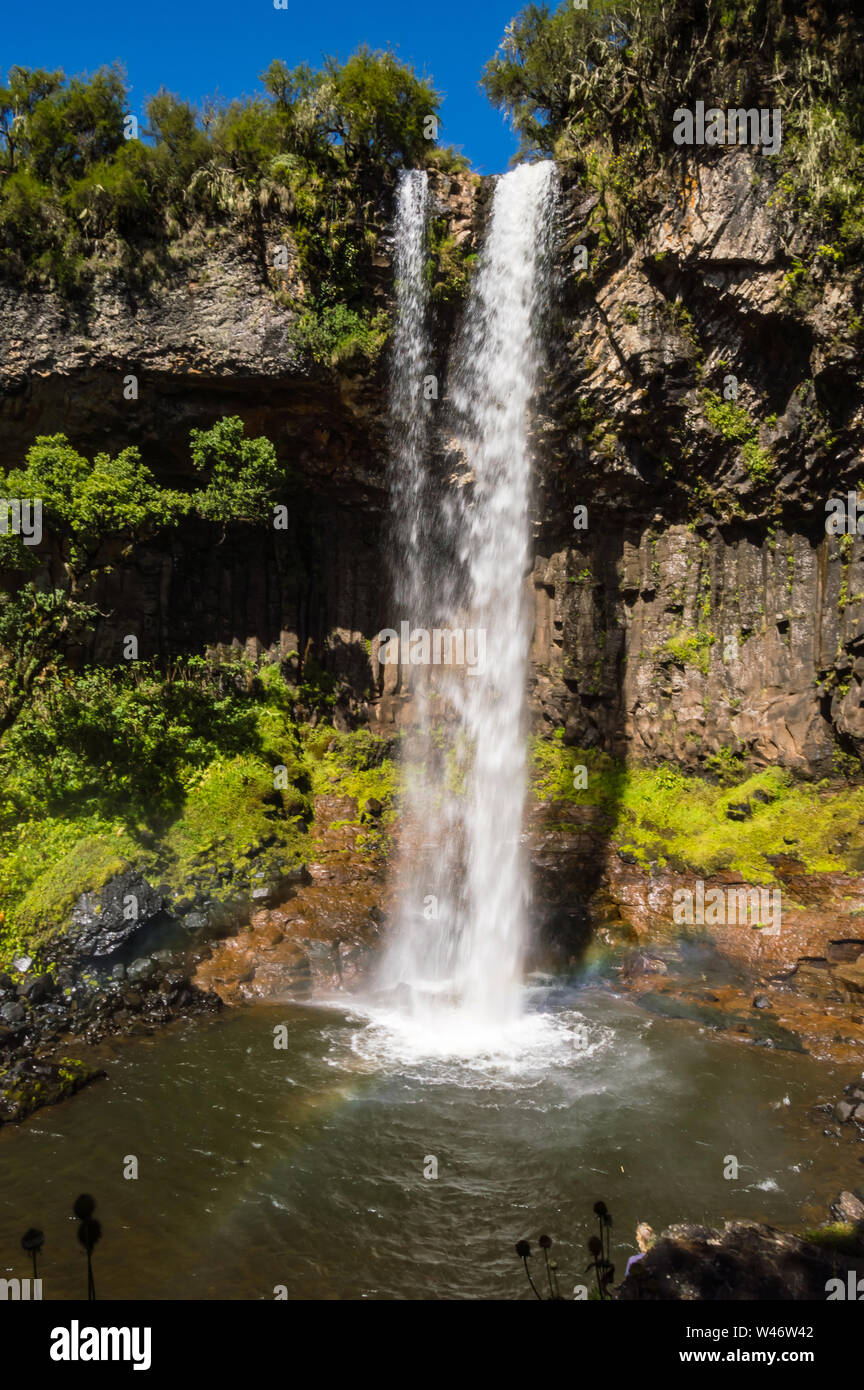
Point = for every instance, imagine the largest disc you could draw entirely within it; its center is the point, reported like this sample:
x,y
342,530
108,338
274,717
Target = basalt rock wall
x,y
696,603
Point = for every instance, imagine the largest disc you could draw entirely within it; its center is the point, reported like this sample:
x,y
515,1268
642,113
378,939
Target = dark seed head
x,y
594,1246
600,1209
545,1243
32,1239
84,1206
523,1249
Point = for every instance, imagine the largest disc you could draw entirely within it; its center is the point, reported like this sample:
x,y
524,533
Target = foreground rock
x,y
743,1262
28,1084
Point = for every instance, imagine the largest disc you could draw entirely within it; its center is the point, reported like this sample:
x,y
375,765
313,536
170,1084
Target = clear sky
x,y
199,48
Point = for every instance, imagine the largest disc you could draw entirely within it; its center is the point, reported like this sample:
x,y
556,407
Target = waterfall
x,y
462,548
408,410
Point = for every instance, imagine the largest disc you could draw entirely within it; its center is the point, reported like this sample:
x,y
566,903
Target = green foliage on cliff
x,y
449,266
92,511
357,764
337,336
735,424
166,768
313,152
599,87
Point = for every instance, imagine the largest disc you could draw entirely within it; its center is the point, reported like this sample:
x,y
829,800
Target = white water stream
x,y
461,549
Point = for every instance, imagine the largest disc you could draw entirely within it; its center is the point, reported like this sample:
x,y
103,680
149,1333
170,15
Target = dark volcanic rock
x,y
36,989
743,1262
102,923
27,1085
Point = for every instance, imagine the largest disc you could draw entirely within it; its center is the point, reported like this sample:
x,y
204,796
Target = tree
x,y
181,145
616,71
18,99
90,512
74,127
243,473
94,513
375,109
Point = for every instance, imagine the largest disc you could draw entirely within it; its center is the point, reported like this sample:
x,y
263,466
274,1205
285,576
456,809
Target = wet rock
x,y
36,989
843,1111
195,921
851,976
100,922
13,1012
28,1084
848,1207
642,963
141,969
738,810
373,806
762,1002
742,1262
265,893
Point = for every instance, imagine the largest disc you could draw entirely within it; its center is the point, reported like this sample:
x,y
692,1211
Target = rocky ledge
x,y
747,1261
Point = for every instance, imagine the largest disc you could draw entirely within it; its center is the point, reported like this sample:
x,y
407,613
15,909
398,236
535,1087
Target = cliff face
x,y
704,604
209,337
701,404
700,606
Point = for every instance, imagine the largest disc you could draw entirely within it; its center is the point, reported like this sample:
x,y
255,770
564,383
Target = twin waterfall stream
x,y
460,542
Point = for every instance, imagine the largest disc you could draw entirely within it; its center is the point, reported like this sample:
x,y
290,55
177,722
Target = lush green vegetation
x,y
450,264
164,767
734,423
168,770
598,87
664,816
303,164
91,511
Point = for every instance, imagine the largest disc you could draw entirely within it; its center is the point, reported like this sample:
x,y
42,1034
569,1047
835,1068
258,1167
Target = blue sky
x,y
198,48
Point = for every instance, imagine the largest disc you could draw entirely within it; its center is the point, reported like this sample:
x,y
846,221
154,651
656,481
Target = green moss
x,y
690,649
757,461
336,336
728,419
191,783
356,765
679,818
843,1237
450,263
735,425
232,808
90,861
30,1093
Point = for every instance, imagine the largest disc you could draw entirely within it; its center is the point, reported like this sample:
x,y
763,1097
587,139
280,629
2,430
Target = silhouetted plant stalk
x,y
32,1241
600,1247
523,1250
545,1246
89,1232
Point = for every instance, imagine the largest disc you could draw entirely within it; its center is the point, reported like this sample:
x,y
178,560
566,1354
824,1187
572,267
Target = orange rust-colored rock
x,y
321,936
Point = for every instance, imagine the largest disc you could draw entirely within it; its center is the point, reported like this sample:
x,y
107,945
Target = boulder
x,y
101,922
745,1261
